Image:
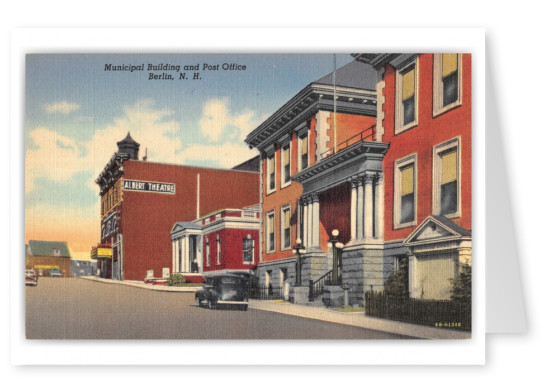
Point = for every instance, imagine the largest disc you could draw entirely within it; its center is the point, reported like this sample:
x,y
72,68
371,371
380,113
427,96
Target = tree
x,y
397,285
461,287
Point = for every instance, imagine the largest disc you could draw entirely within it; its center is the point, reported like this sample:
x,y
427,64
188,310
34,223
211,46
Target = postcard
x,y
259,197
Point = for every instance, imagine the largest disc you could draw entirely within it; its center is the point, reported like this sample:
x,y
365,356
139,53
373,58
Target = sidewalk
x,y
357,319
143,285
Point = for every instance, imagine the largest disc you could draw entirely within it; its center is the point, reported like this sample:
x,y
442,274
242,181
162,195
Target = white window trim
x,y
252,253
207,252
273,156
398,164
283,208
438,150
398,128
283,183
437,93
218,250
299,149
268,251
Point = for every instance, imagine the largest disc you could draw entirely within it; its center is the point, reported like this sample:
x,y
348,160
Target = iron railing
x,y
438,313
267,293
316,287
368,134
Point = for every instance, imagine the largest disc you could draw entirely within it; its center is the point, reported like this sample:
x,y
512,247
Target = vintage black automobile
x,y
223,290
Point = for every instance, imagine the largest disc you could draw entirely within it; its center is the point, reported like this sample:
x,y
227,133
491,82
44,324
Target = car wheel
x,y
198,301
212,304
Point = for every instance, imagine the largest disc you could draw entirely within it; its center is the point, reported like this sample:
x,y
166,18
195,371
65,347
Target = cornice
x,y
311,99
366,148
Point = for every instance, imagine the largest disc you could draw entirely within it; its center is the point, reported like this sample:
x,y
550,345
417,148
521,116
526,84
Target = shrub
x,y
397,285
461,287
175,279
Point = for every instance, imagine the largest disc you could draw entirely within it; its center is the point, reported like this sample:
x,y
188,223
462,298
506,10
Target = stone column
x,y
353,202
304,221
368,208
185,254
360,210
179,255
315,221
413,278
309,223
379,208
174,256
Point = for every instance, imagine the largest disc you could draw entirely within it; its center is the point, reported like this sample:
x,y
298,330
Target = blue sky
x,y
76,111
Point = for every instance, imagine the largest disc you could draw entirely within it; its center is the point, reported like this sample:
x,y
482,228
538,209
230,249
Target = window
x,y
270,232
286,227
271,173
285,165
406,97
248,250
303,155
446,82
218,251
405,184
446,179
207,252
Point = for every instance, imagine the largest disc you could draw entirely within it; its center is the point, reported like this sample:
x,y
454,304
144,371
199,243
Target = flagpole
x,y
334,103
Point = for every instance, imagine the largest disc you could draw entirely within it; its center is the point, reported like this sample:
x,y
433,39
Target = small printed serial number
x,y
447,324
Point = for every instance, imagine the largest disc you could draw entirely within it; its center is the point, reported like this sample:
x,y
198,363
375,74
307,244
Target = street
x,y
73,308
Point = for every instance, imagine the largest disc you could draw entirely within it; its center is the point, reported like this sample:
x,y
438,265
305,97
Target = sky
x,y
77,107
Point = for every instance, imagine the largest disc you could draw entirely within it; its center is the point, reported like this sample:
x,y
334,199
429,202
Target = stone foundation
x,y
363,270
299,294
333,296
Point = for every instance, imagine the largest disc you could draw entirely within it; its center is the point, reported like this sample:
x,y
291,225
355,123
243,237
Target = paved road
x,y
72,308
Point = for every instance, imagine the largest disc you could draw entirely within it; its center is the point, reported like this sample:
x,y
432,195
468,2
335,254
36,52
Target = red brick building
x,y
317,150
221,241
141,200
425,116
383,156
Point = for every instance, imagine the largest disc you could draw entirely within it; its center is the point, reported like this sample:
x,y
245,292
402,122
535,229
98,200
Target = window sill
x,y
405,225
284,185
405,128
442,110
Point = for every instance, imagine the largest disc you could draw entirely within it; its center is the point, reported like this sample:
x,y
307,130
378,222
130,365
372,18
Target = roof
x,y
354,93
450,224
43,248
355,75
128,139
186,225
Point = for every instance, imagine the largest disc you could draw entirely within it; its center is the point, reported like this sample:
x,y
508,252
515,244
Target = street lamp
x,y
298,250
334,243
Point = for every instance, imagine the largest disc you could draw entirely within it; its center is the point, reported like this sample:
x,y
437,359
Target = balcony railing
x,y
368,134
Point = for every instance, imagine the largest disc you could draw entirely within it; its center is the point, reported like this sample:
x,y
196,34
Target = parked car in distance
x,y
223,290
55,273
31,278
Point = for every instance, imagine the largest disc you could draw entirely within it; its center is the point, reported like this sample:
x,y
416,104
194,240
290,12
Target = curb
x,y
142,285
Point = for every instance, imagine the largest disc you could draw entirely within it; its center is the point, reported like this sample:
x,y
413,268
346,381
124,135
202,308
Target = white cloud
x,y
56,157
59,158
151,128
62,107
216,117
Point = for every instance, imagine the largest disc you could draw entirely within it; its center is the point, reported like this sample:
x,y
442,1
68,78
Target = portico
x,y
186,248
344,191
